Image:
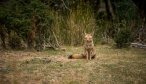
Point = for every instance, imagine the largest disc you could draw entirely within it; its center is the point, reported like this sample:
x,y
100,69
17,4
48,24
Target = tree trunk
x,y
3,36
109,9
32,33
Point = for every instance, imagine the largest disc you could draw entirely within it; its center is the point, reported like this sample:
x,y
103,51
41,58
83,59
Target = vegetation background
x,y
37,24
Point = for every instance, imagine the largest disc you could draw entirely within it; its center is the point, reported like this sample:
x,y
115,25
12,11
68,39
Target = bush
x,y
123,38
15,42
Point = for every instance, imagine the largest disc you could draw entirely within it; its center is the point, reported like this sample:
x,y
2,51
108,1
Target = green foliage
x,y
17,15
15,42
123,38
66,21
126,9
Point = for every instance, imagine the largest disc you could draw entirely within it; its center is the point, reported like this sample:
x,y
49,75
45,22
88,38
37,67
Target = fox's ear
x,y
92,33
85,33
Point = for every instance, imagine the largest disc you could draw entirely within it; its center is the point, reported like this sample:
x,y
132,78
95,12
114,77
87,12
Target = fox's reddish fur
x,y
76,56
89,50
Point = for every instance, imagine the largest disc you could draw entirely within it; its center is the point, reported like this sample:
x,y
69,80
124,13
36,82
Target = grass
x,y
111,66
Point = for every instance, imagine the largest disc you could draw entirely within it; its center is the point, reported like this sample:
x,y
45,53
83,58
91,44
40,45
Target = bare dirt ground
x,y
111,66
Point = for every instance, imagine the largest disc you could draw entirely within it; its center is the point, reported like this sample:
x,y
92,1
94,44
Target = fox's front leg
x,y
93,54
90,55
85,53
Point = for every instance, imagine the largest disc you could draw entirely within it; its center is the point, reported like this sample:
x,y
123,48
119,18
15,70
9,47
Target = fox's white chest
x,y
89,45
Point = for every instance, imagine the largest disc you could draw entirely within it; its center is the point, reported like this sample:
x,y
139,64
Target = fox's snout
x,y
88,38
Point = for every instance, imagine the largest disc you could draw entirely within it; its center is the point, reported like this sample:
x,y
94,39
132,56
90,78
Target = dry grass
x,y
112,66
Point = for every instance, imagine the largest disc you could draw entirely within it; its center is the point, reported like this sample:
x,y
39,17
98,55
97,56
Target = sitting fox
x,y
89,50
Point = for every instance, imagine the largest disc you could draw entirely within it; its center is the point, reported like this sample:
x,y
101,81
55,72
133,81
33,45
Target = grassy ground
x,y
111,66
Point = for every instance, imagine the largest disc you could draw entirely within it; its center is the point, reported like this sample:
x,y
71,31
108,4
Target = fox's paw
x,y
70,57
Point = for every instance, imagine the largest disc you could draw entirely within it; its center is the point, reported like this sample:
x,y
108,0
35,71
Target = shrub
x,y
15,42
123,38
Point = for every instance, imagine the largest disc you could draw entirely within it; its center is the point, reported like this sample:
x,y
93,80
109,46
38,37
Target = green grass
x,y
111,66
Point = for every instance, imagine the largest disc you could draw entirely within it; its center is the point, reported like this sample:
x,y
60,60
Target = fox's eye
x,y
90,37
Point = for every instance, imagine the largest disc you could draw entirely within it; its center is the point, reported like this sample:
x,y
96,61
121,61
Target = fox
x,y
89,49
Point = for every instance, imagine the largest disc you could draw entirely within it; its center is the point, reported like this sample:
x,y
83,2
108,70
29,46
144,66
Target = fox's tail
x,y
79,56
76,56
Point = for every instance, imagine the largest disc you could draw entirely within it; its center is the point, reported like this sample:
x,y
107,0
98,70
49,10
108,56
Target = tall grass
x,y
70,29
